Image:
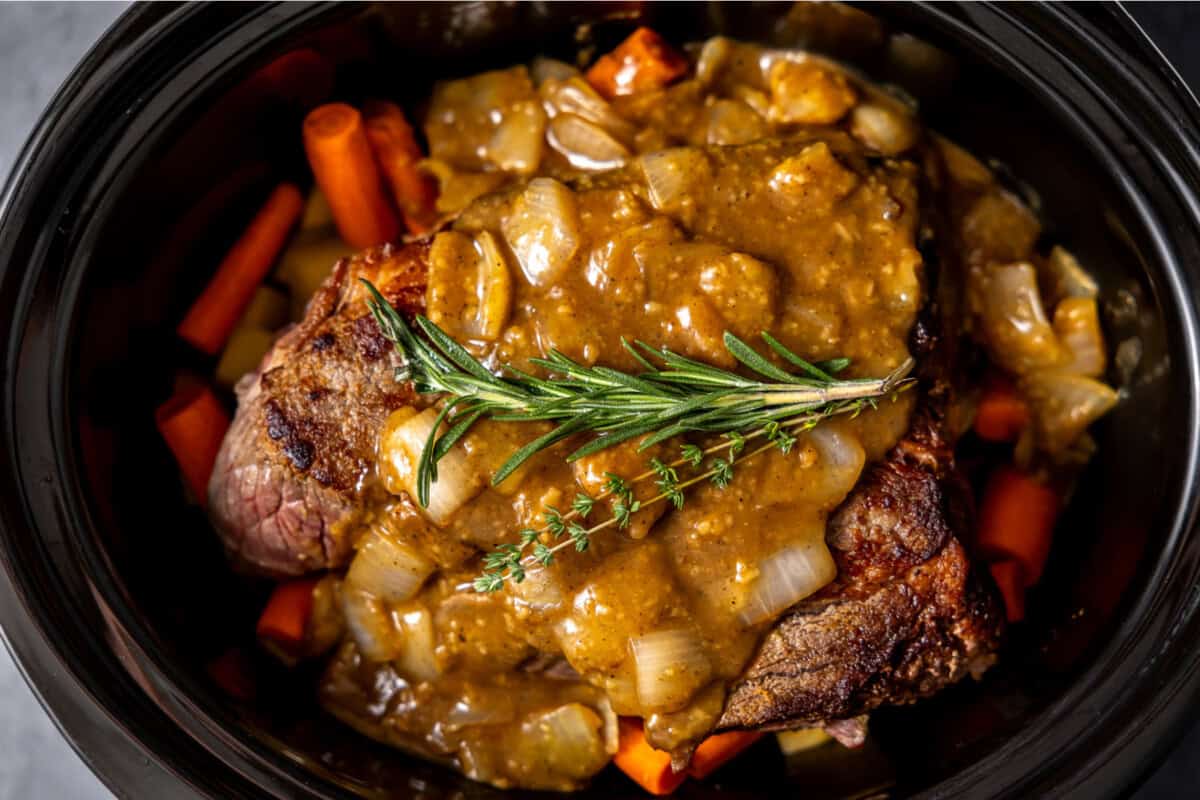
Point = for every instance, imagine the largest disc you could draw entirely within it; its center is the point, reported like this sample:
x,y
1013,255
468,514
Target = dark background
x,y
39,43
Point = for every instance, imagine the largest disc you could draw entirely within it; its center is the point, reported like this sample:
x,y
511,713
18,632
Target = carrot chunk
x,y
339,153
215,313
285,618
193,423
650,768
1002,412
398,154
1016,521
643,61
718,750
1010,580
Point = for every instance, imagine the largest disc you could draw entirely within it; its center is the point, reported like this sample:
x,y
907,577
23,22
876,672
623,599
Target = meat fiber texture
x,y
906,616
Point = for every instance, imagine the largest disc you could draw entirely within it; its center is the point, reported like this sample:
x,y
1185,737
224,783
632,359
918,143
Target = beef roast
x,y
905,617
295,466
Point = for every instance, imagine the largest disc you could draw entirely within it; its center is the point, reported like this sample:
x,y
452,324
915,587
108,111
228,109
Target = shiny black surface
x,y
109,583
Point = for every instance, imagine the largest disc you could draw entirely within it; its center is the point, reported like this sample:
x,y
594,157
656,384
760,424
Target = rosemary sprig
x,y
675,395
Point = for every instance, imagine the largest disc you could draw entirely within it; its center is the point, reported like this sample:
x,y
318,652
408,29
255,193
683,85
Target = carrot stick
x,y
303,77
718,750
193,423
1002,412
285,618
1010,580
642,61
650,768
339,153
1016,521
398,154
215,313
231,671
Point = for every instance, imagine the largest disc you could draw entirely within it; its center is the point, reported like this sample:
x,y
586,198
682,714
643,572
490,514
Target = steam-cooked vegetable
x,y
648,767
387,568
543,230
404,441
418,656
716,751
371,625
1002,413
569,741
643,61
575,97
1077,323
786,578
584,144
470,288
1064,405
1014,324
1063,277
517,144
882,128
671,175
671,666
808,93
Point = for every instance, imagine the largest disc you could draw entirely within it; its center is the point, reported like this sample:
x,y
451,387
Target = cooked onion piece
x,y
1064,405
733,122
1077,323
886,130
1018,335
404,438
576,97
550,69
571,742
387,568
470,289
792,742
1063,277
517,144
371,625
786,578
479,706
808,93
543,230
418,654
671,666
585,144
671,175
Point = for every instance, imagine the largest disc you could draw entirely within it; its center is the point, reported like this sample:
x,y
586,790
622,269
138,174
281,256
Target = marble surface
x,y
39,43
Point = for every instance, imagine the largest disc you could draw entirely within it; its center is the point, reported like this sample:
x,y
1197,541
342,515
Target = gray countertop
x,y
39,43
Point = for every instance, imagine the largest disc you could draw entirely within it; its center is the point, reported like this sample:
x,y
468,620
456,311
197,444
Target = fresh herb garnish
x,y
673,396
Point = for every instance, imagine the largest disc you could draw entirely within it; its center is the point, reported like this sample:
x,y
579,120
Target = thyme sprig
x,y
672,396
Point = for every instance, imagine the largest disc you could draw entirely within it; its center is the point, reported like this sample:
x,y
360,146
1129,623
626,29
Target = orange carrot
x,y
1016,521
284,620
339,153
650,768
193,423
718,750
215,313
1010,580
303,77
643,61
231,671
398,154
1002,412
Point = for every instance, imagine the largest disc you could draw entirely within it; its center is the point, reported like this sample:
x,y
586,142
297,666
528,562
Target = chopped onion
x,y
786,578
543,230
470,289
840,458
886,130
479,706
1077,323
1014,322
671,665
516,145
400,451
387,568
371,625
714,55
671,174
551,69
1064,405
576,97
792,742
584,144
418,656
733,122
1064,277
569,741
